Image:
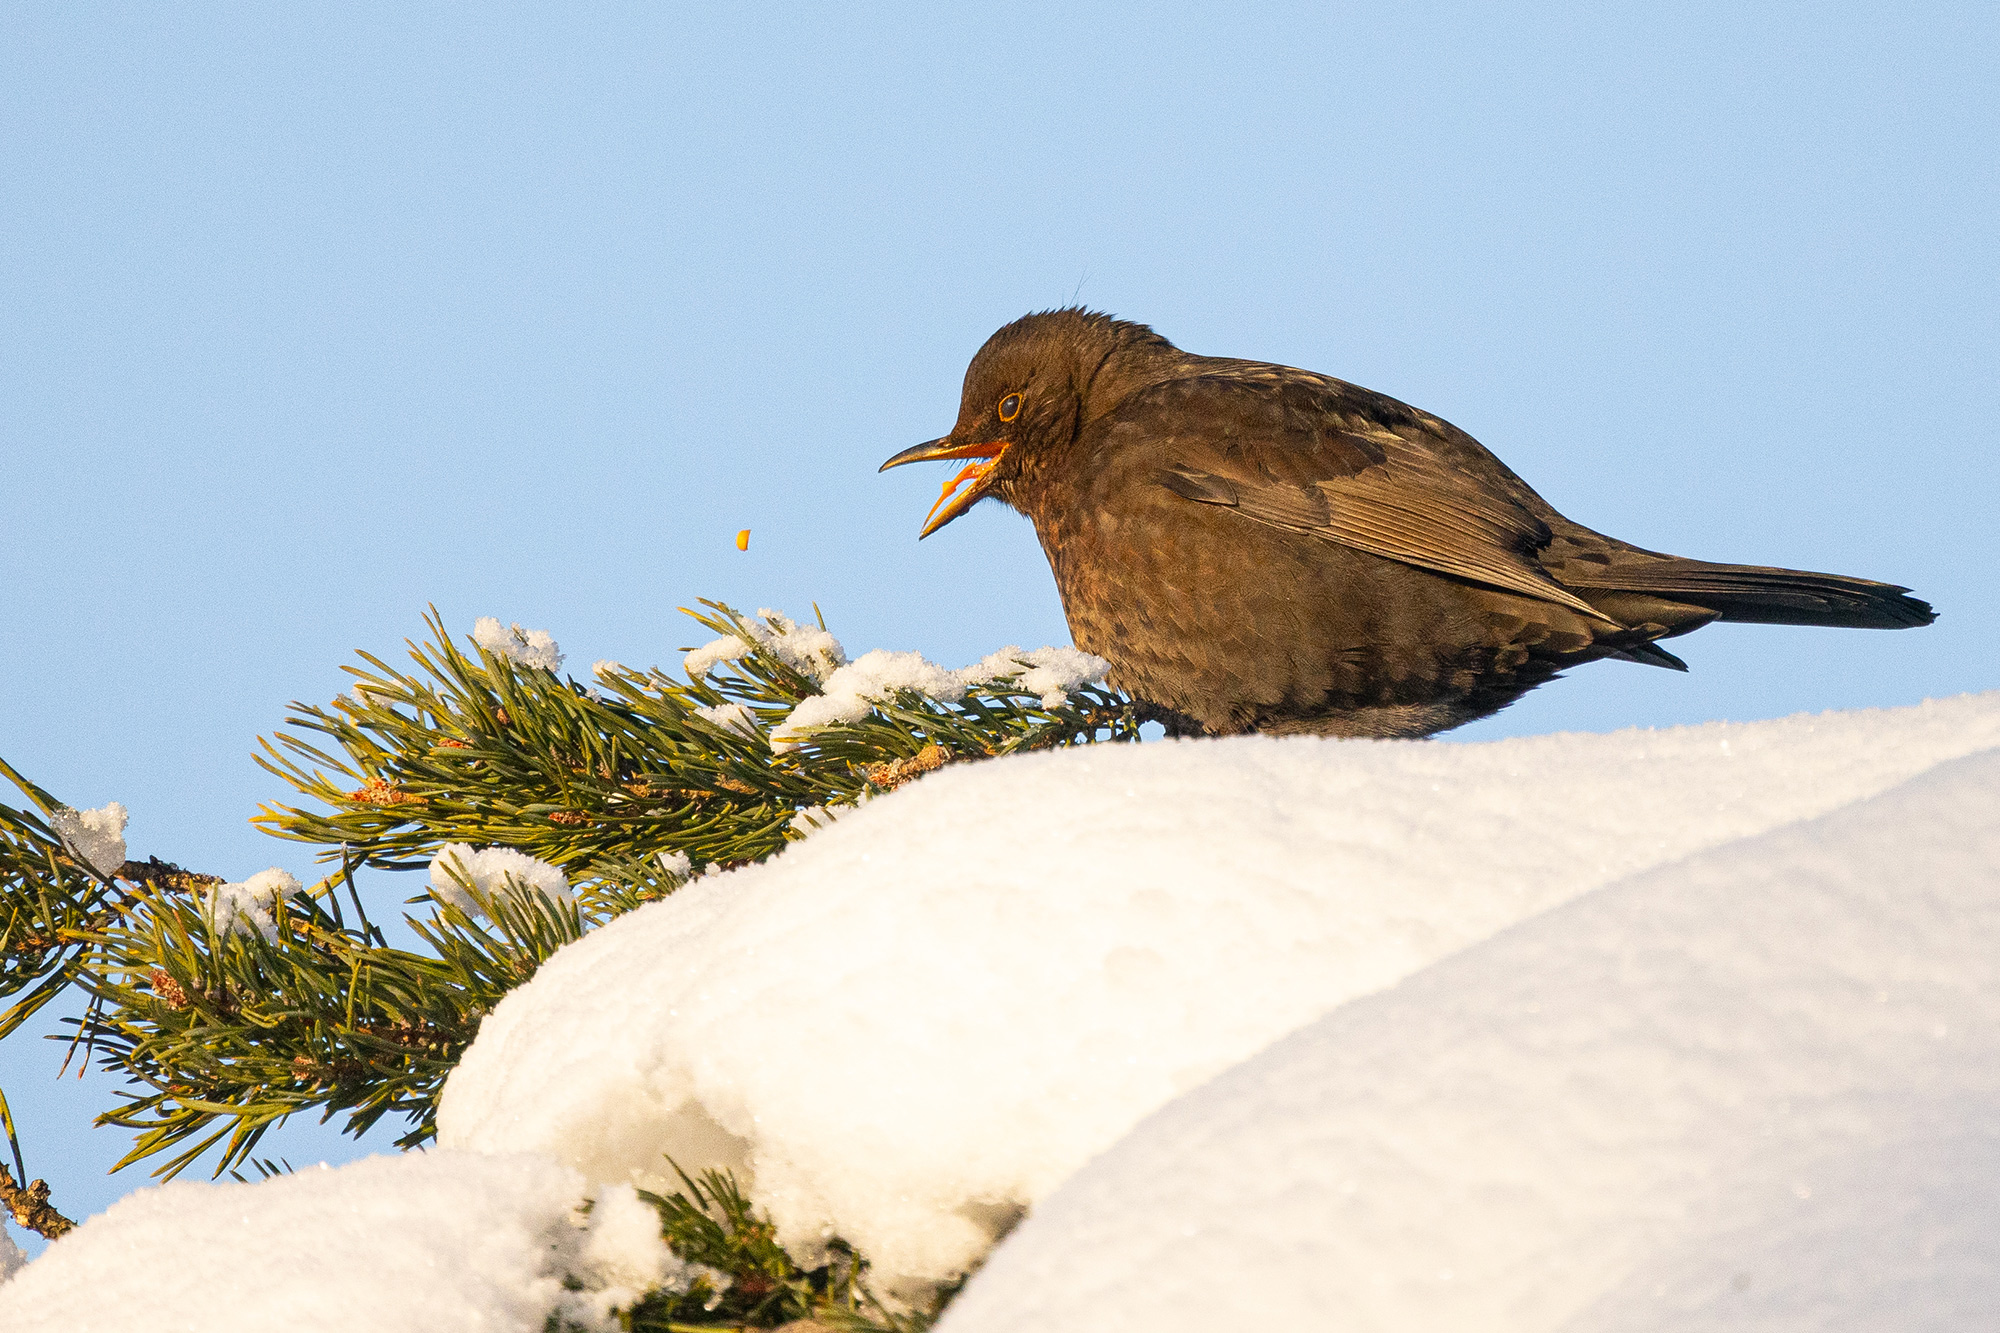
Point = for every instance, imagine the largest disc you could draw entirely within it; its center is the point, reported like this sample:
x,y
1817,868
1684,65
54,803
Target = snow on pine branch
x,y
877,677
807,649
251,905
849,694
711,655
486,872
97,836
1049,672
849,691
529,647
730,717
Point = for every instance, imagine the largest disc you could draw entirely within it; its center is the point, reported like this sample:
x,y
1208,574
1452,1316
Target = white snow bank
x,y
427,1243
928,1015
1753,1090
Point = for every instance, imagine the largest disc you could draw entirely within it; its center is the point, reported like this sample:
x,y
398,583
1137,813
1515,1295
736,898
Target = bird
x,y
1258,548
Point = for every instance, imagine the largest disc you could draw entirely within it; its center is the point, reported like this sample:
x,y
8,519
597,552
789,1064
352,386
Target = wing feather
x,y
1315,455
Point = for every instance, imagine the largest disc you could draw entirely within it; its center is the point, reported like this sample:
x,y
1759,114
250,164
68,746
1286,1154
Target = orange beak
x,y
950,506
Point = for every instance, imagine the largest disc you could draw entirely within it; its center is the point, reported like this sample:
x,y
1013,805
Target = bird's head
x,y
1028,394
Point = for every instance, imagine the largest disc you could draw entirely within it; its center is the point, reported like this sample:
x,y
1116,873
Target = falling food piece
x,y
743,540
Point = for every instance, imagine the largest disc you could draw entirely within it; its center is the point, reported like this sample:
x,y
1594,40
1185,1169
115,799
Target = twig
x,y
30,1206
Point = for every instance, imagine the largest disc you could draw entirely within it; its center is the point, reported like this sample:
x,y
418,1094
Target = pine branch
x,y
627,786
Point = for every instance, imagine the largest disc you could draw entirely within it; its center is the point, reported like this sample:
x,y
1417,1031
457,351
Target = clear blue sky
x,y
311,317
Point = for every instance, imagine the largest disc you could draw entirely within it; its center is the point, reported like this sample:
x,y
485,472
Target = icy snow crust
x,y
1753,1090
428,1243
98,836
928,1015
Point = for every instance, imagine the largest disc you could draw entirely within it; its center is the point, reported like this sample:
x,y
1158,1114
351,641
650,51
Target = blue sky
x,y
309,319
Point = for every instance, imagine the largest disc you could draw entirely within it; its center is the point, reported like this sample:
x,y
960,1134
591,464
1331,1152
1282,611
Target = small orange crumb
x,y
743,540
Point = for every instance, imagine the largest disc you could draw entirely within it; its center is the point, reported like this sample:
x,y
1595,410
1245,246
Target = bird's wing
x,y
1316,455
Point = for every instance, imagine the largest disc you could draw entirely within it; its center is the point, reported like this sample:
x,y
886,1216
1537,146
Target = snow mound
x,y
922,1019
1753,1090
427,1243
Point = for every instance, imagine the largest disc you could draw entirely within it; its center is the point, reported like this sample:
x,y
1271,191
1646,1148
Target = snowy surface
x,y
1751,1090
926,1017
427,1243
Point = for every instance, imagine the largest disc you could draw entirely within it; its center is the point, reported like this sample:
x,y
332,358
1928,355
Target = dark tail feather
x,y
1650,654
1758,595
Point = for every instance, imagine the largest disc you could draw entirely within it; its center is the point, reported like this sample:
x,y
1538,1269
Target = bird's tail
x,y
1756,594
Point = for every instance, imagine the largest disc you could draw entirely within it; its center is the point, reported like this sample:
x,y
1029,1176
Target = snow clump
x,y
916,1023
807,649
850,693
370,694
730,717
488,870
252,904
1751,1090
705,658
1050,672
97,836
434,1242
529,647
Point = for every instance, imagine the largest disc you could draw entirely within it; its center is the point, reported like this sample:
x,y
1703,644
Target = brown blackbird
x,y
1258,548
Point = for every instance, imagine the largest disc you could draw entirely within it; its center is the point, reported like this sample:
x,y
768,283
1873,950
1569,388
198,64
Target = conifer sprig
x,y
486,751
628,785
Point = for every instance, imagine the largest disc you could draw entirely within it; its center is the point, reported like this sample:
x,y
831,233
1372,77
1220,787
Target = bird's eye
x,y
1010,407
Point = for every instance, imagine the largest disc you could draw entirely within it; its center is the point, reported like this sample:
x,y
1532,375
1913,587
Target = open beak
x,y
949,507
